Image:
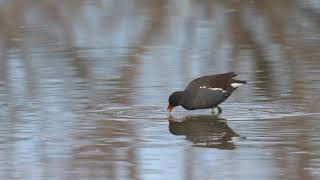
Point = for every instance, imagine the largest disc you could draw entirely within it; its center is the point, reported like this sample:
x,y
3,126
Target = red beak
x,y
169,108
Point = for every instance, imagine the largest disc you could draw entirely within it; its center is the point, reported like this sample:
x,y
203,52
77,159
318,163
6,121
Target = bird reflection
x,y
204,131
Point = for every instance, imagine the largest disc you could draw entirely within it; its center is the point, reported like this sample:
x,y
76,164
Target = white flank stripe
x,y
203,86
235,85
217,89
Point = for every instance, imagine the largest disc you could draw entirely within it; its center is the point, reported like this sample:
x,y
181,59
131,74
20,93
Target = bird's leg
x,y
216,110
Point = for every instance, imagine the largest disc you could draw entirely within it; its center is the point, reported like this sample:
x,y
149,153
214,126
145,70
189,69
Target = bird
x,y
205,92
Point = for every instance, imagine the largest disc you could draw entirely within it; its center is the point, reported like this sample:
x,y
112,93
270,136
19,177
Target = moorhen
x,y
205,92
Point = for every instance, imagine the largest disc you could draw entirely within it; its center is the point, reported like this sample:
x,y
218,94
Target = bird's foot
x,y
216,110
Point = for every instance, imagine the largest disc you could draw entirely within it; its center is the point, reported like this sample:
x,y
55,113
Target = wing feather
x,y
212,81
205,98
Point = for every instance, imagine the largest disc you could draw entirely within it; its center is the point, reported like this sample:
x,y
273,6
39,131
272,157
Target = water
x,y
84,88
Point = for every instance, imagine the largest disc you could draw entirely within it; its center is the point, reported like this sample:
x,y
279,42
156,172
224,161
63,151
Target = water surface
x,y
84,88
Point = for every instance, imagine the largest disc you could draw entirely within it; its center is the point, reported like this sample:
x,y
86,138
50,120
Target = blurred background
x,y
84,86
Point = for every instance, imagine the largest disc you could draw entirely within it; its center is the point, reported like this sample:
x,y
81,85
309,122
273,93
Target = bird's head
x,y
175,99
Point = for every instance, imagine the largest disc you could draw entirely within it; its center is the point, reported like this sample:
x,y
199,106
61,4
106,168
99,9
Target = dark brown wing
x,y
213,81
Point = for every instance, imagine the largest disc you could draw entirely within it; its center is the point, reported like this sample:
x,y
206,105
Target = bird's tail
x,y
237,83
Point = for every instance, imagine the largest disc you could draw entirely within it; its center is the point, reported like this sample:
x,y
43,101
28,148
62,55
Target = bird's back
x,y
212,81
209,91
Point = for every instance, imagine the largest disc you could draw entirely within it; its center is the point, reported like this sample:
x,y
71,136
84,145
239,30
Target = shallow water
x,y
84,88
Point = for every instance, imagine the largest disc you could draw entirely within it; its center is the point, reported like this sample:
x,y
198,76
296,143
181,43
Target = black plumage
x,y
205,92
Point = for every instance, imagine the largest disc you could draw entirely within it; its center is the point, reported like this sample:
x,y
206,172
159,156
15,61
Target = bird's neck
x,y
185,100
181,96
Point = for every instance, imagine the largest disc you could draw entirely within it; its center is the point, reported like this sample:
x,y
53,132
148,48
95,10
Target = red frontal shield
x,y
169,108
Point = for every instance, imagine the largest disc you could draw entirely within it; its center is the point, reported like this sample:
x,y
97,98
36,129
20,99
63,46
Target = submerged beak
x,y
169,108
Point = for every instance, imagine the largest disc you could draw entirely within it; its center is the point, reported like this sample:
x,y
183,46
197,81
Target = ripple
x,y
231,111
249,111
131,112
